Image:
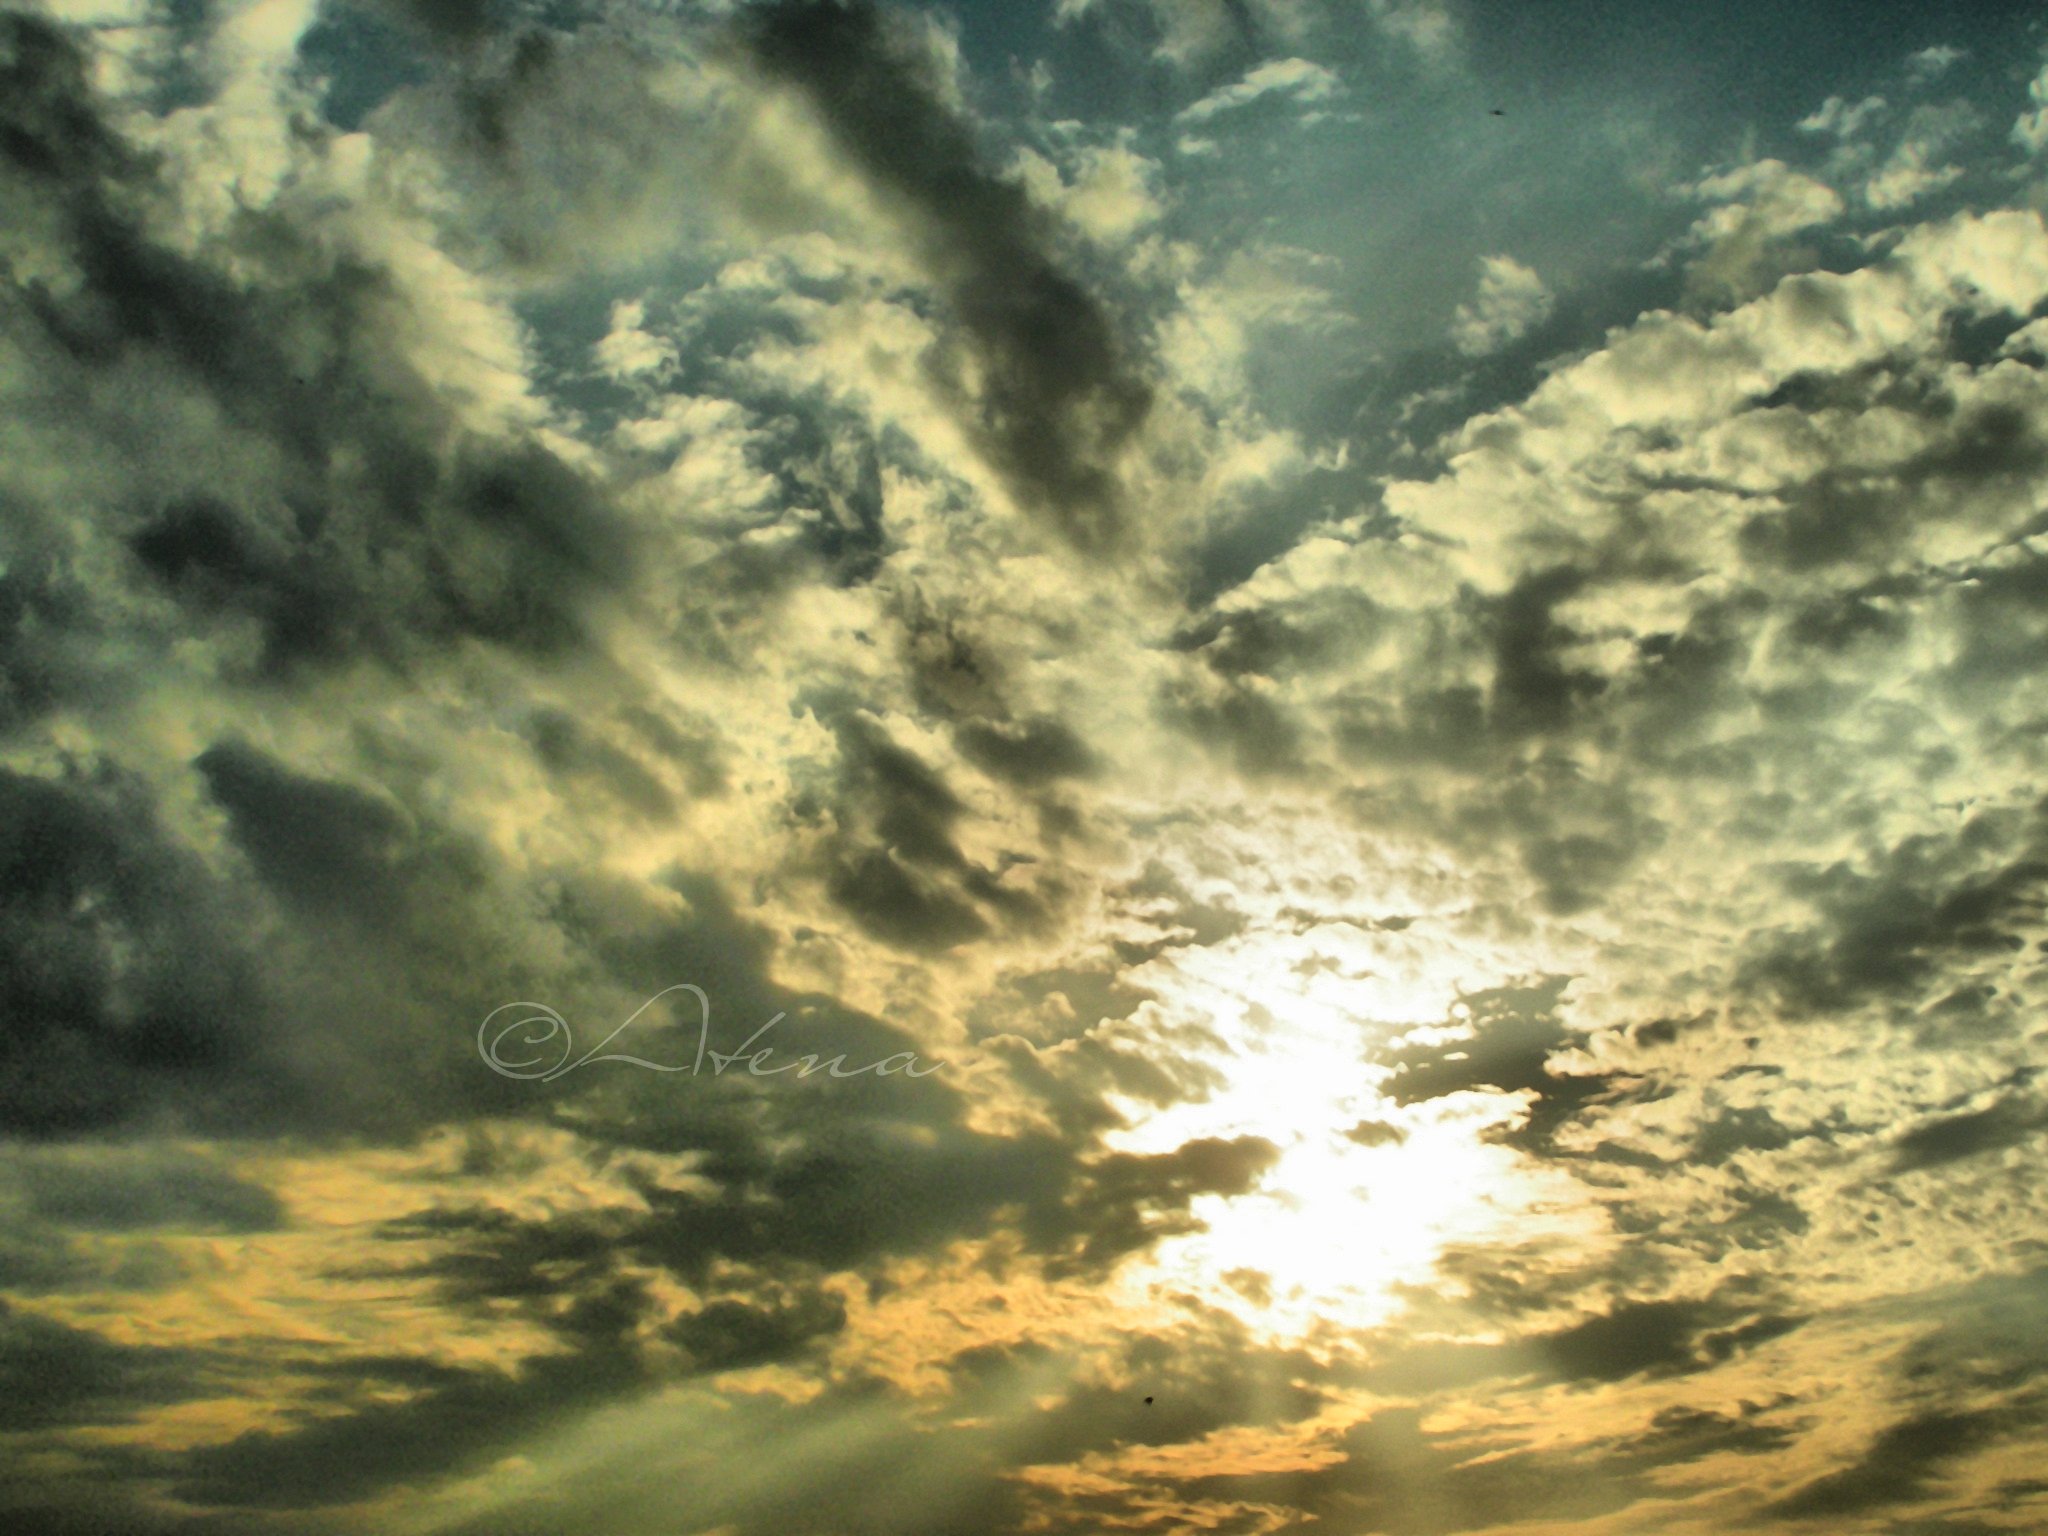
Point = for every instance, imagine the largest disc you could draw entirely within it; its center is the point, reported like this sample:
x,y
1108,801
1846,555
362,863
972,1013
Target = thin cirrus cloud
x,y
1296,78
1431,725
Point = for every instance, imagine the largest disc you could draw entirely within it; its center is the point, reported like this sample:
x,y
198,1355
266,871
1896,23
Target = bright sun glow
x,y
1366,1193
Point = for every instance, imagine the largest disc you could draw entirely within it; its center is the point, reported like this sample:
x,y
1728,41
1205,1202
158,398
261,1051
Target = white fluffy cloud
x,y
1511,300
2030,131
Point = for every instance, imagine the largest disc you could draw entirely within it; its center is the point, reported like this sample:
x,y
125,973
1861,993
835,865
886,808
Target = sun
x,y
1366,1193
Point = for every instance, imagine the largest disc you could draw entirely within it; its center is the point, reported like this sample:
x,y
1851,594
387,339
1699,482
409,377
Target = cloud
x,y
1511,301
1932,63
2007,1123
1059,392
126,1189
1657,1337
1428,26
1490,977
54,1374
1112,196
114,1011
1912,171
2030,131
1760,205
1193,35
1298,78
1896,1469
1840,118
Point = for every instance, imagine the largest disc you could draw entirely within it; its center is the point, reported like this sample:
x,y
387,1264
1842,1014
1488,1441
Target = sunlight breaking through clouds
x,y
804,766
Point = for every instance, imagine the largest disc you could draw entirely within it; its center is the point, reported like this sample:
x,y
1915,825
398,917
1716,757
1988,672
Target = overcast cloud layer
x,y
1387,660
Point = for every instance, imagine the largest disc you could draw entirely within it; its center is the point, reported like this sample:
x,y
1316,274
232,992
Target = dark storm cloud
x,y
1682,1434
1533,689
1899,1466
828,466
1658,1338
1059,394
1577,836
53,1374
456,1417
458,23
2011,1121
1029,753
961,674
731,1335
852,1197
44,607
1246,726
1264,642
1376,1133
1860,511
955,670
895,865
1126,1202
324,846
1764,1217
1160,900
911,807
49,132
1439,727
1493,761
490,97
641,945
1510,1035
898,904
382,525
340,1458
1919,911
367,878
121,981
1733,1131
1076,1080
691,746
489,1257
135,998
132,993
121,1190
2004,613
842,1206
577,756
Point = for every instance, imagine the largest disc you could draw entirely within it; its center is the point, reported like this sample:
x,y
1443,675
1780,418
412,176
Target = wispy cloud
x,y
1297,78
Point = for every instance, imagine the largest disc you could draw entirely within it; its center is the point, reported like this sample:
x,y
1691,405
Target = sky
x,y
792,768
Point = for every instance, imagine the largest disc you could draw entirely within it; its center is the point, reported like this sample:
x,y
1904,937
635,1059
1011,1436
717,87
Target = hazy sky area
x,y
1093,768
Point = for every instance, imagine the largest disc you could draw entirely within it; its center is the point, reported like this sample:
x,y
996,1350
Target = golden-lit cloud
x,y
1412,686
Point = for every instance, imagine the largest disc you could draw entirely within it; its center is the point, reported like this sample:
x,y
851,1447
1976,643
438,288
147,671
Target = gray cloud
x,y
1896,1468
1059,393
498,506
54,1374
